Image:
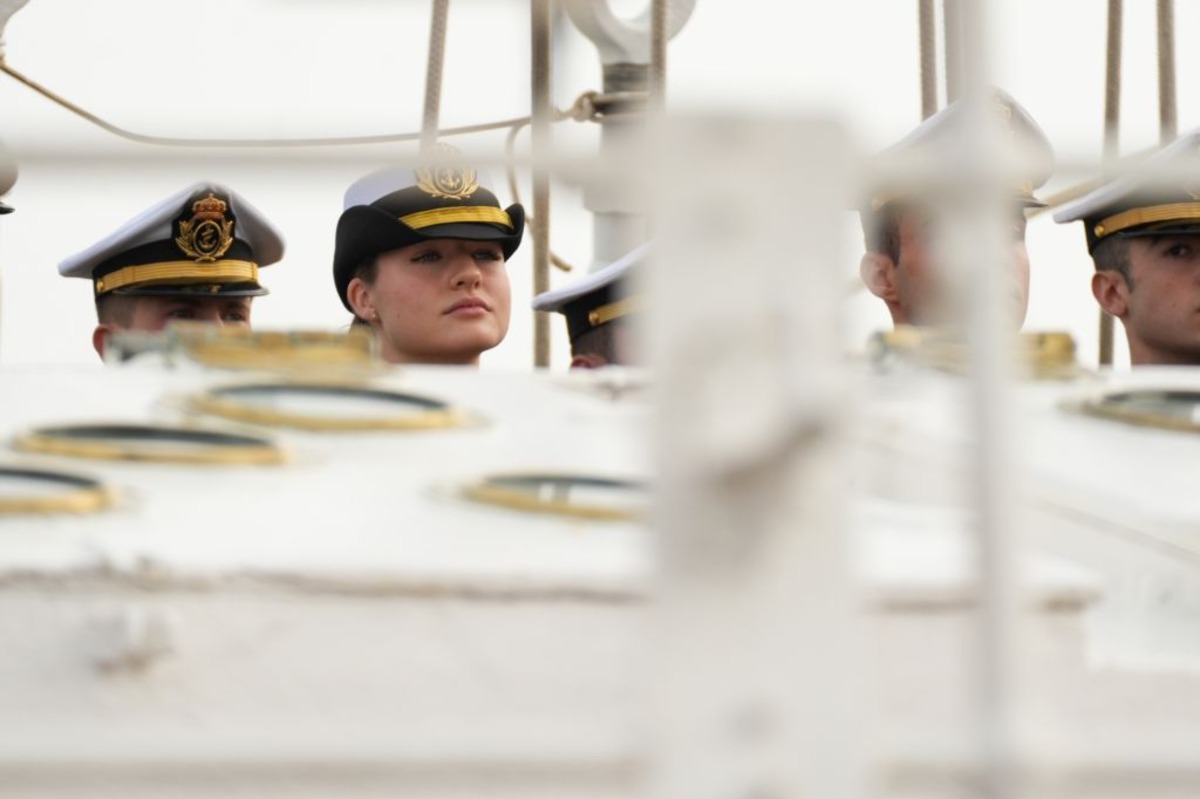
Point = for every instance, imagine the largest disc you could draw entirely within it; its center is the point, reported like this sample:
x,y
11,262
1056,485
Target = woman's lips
x,y
471,306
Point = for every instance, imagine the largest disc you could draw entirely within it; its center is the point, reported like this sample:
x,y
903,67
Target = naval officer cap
x,y
942,144
1161,199
204,240
398,207
596,299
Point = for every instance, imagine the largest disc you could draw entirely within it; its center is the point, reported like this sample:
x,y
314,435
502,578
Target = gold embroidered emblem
x,y
444,178
208,234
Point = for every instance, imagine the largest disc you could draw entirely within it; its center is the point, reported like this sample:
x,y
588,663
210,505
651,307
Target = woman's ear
x,y
358,294
877,272
1111,291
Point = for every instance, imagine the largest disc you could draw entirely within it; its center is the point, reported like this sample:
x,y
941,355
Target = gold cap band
x,y
1146,215
465,213
614,310
179,272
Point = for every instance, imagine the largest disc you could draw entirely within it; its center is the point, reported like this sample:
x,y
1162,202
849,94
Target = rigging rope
x,y
1167,115
514,191
540,13
928,47
332,141
1112,133
433,74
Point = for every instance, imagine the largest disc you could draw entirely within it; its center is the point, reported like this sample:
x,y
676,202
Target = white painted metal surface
x,y
346,622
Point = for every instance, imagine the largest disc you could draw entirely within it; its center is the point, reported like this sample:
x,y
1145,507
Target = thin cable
x,y
928,44
170,141
1167,113
1112,138
540,145
433,74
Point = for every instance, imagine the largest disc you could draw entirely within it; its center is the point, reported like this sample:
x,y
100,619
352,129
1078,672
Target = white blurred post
x,y
975,244
757,683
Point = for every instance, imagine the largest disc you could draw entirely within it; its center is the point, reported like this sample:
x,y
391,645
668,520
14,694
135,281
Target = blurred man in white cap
x,y
420,259
1143,233
596,308
194,256
899,266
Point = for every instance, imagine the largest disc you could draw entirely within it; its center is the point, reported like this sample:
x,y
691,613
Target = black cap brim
x,y
195,290
1176,227
364,231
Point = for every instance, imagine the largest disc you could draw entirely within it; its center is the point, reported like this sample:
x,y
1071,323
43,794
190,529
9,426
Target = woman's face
x,y
440,301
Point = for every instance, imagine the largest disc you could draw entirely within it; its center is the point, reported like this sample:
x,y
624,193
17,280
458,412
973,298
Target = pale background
x,y
260,68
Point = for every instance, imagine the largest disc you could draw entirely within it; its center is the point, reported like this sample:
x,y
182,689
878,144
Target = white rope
x,y
433,74
540,12
1112,137
927,38
1167,114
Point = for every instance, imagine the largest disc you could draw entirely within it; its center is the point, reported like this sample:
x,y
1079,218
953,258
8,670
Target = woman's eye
x,y
427,257
1179,250
489,255
236,316
181,313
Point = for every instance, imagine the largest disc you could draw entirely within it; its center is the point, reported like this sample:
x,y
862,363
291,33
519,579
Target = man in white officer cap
x,y
596,308
899,265
194,256
1143,233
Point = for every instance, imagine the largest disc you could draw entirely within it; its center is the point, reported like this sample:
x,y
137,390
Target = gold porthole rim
x,y
57,440
84,495
489,490
439,415
1103,406
287,352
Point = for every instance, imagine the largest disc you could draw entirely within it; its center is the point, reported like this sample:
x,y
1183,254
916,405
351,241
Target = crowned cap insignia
x,y
209,233
446,178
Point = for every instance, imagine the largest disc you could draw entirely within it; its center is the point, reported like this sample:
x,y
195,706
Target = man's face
x,y
922,295
154,313
1162,308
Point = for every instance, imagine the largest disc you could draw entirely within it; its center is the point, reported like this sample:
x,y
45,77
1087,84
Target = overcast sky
x,y
297,68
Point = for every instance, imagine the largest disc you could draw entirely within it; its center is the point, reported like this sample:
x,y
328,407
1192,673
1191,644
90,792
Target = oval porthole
x,y
577,495
291,351
325,406
1044,356
161,444
38,491
285,351
1169,409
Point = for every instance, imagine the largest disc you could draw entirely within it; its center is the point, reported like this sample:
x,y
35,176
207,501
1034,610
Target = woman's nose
x,y
466,272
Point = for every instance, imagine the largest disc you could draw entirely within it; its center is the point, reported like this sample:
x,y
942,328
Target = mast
x,y
633,57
